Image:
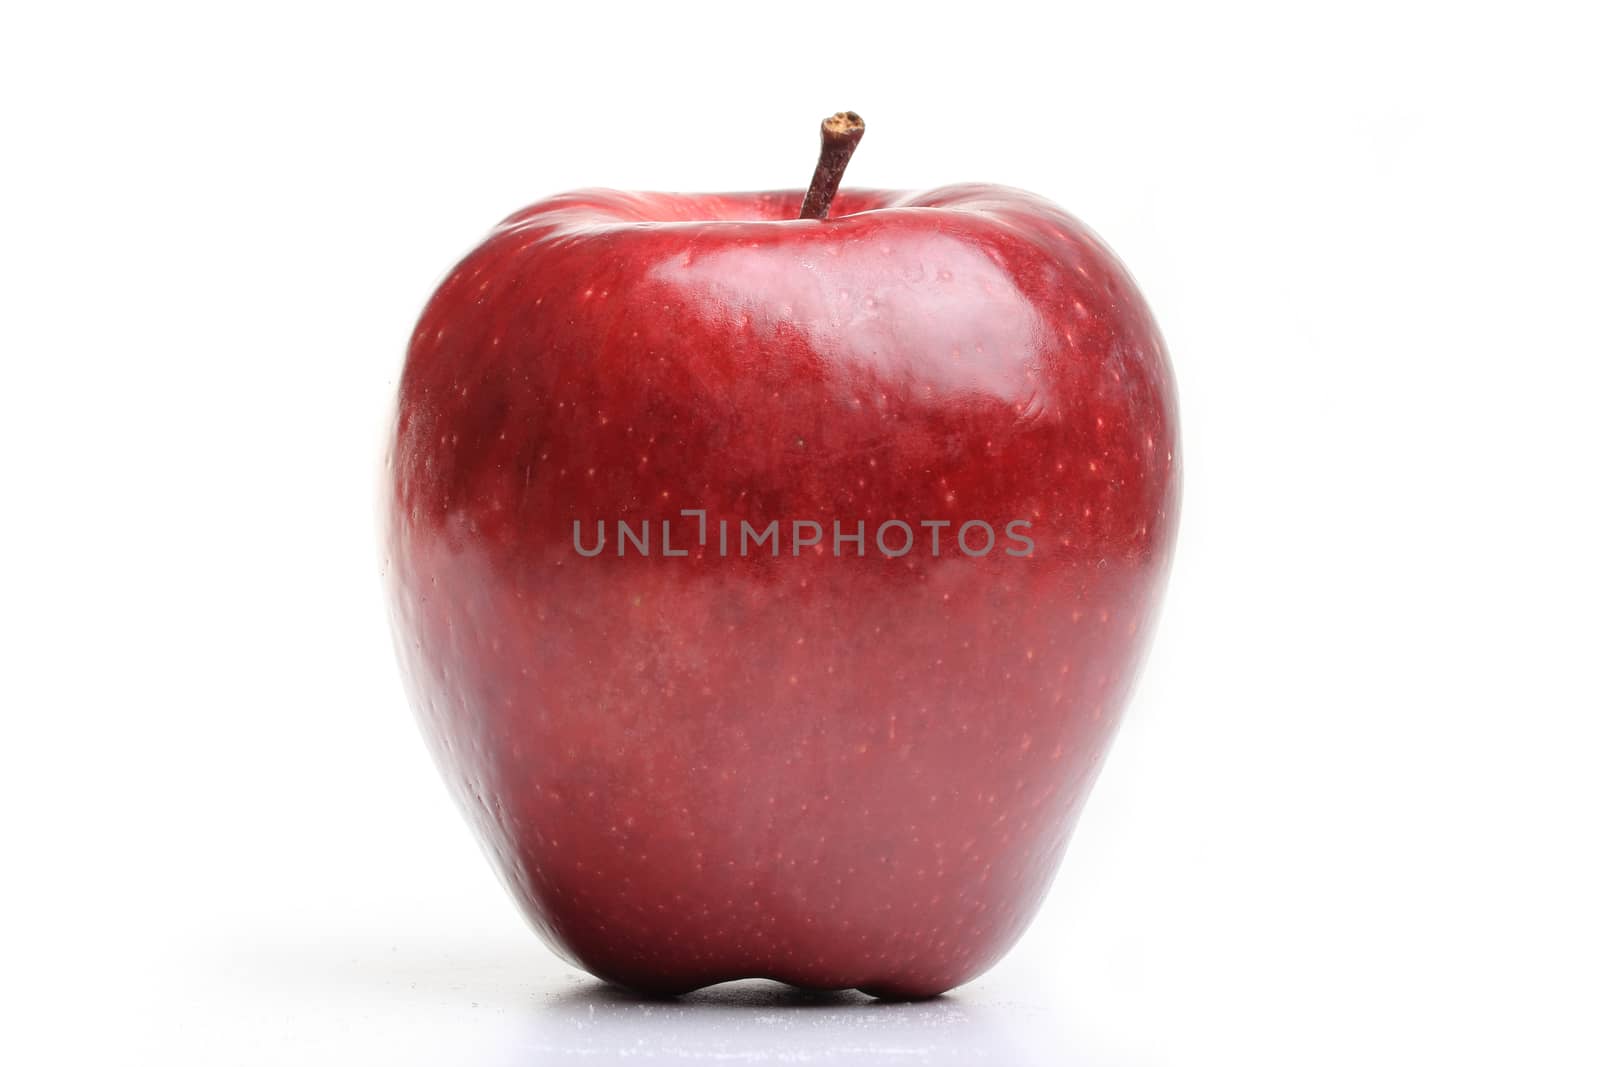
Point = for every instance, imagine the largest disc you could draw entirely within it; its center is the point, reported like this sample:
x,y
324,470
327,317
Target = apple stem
x,y
840,135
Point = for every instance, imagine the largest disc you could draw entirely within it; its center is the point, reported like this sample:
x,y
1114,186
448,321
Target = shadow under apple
x,y
489,1003
762,1021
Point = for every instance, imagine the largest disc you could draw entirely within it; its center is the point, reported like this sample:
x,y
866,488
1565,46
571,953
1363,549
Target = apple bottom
x,y
832,773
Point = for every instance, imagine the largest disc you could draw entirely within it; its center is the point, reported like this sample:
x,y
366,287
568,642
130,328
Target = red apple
x,y
843,764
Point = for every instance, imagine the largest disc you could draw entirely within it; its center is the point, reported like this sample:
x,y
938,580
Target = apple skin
x,y
834,772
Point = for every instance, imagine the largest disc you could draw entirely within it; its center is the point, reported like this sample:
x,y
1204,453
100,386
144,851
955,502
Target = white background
x,y
1352,817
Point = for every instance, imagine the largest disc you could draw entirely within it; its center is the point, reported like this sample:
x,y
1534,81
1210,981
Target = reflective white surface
x,y
344,1000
